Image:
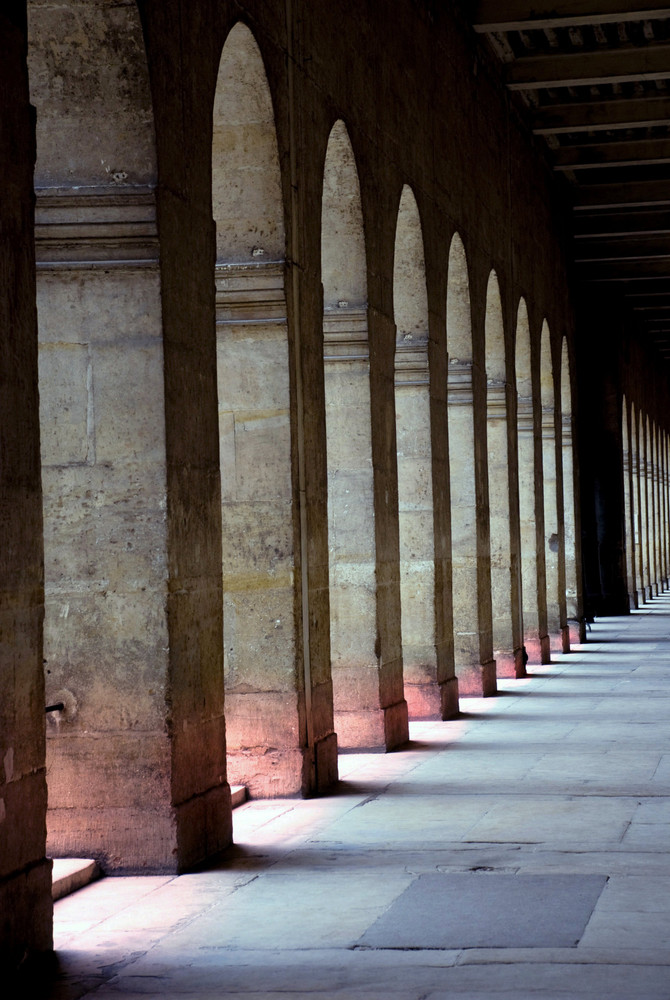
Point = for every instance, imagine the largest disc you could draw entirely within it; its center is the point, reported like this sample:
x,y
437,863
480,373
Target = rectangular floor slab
x,y
488,911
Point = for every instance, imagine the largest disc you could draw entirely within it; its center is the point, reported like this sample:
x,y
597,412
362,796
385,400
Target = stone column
x,y
629,509
388,646
359,717
640,509
474,676
551,536
569,507
503,577
264,731
417,540
526,449
25,873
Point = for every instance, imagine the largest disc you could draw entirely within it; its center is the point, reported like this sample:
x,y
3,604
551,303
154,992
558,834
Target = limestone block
x,y
252,364
257,544
67,436
132,770
259,637
109,650
262,719
90,85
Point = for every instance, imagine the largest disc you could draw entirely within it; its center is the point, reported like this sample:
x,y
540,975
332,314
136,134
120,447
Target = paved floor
x,y
409,883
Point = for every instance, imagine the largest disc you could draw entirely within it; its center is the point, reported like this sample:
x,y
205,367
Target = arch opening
x,y
264,733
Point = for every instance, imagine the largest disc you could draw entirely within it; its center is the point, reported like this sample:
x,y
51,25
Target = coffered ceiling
x,y
594,76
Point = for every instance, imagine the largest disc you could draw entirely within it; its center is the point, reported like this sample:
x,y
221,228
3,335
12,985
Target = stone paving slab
x,y
479,910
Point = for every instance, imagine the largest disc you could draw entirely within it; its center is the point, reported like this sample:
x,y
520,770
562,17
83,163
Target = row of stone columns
x,y
646,482
434,456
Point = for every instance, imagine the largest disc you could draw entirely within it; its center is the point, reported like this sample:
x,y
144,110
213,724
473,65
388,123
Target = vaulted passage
x,y
334,395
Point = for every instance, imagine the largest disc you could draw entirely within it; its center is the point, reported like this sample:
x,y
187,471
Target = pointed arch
x,y
414,454
247,203
263,693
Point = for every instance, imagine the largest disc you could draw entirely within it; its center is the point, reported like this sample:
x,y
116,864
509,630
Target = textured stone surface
x,y
25,896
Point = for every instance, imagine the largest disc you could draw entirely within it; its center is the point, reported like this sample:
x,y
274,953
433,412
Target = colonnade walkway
x,y
519,851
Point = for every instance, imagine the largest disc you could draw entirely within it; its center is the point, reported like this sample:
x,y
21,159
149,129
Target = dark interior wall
x,y
25,874
612,362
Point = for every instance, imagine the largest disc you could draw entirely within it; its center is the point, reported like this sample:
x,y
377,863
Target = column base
x,y
533,646
545,649
151,841
320,767
576,628
565,638
449,699
478,680
373,729
520,657
423,700
505,664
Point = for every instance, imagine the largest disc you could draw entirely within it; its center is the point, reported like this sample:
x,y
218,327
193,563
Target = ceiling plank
x,y
623,224
642,112
515,15
642,248
637,194
624,270
622,64
641,152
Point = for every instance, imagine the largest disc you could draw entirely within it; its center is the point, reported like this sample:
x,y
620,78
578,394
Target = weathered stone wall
x,y
25,874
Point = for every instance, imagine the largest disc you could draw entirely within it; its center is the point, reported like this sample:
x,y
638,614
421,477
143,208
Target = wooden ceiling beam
x,y
515,15
634,153
636,194
623,224
639,248
598,116
621,64
624,270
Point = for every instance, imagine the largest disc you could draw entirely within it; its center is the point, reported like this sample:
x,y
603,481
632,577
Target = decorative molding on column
x,y
411,364
250,293
524,415
548,425
459,383
496,400
345,335
566,429
95,228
